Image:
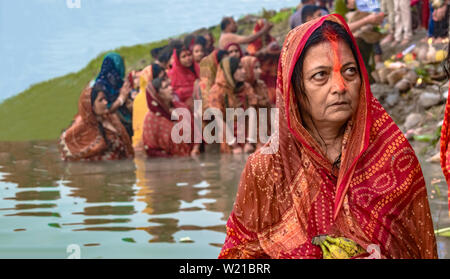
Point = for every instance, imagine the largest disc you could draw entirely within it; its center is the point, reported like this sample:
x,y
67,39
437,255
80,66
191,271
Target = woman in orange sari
x,y
342,175
253,72
231,91
158,125
95,133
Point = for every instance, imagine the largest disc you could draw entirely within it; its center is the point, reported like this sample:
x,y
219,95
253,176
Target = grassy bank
x,y
45,109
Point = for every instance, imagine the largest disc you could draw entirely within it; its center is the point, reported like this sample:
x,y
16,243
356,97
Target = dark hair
x,y
156,70
97,88
200,40
164,55
309,10
224,23
189,41
220,54
157,51
317,37
234,64
157,82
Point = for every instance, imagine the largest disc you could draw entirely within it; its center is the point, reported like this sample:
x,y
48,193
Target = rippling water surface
x,y
141,208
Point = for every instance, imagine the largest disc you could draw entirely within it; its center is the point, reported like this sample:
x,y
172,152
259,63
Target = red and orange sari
x,y
223,95
377,195
158,127
83,141
445,147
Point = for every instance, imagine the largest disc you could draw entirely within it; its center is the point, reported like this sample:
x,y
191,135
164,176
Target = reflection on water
x,y
137,208
125,209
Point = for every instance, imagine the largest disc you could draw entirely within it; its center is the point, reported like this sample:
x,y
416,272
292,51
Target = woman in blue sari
x,y
112,74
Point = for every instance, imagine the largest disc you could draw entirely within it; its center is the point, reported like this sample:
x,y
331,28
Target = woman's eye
x,y
350,71
320,75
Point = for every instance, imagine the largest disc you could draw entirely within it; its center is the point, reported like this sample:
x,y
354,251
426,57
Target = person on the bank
x,y
229,29
95,134
231,91
342,171
158,125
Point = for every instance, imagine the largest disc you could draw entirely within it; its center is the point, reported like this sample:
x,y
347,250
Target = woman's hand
x,y
125,90
375,18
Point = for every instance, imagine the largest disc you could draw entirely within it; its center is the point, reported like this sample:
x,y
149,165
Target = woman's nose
x,y
338,83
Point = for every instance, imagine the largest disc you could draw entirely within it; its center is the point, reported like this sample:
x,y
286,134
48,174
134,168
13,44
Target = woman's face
x,y
233,51
100,106
209,40
198,53
331,81
239,75
186,58
257,70
166,90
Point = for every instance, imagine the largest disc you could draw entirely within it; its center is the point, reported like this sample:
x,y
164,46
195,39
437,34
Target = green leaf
x,y
129,239
54,225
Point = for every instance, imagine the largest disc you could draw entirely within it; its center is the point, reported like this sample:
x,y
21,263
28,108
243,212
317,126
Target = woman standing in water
x,y
344,182
96,134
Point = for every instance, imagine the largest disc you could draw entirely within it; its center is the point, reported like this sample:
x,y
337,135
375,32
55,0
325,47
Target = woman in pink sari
x,y
338,168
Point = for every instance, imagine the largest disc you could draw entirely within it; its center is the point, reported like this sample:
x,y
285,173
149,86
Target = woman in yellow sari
x,y
140,107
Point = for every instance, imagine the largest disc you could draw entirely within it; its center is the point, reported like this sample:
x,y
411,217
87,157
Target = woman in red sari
x,y
342,168
445,134
158,125
183,74
95,133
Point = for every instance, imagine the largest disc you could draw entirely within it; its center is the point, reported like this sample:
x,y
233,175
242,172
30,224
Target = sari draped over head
x,y
208,71
225,94
376,197
261,42
140,107
111,76
259,87
227,46
83,140
158,128
445,147
183,79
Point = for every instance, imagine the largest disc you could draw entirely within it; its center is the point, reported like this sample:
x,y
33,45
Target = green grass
x,y
45,109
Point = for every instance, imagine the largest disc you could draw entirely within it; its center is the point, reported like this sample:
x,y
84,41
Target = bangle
x,y
120,100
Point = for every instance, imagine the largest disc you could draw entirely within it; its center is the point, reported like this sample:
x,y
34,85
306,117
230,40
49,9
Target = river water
x,y
141,208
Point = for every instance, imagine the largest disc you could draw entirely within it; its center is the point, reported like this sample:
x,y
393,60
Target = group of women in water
x,y
119,115
343,170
